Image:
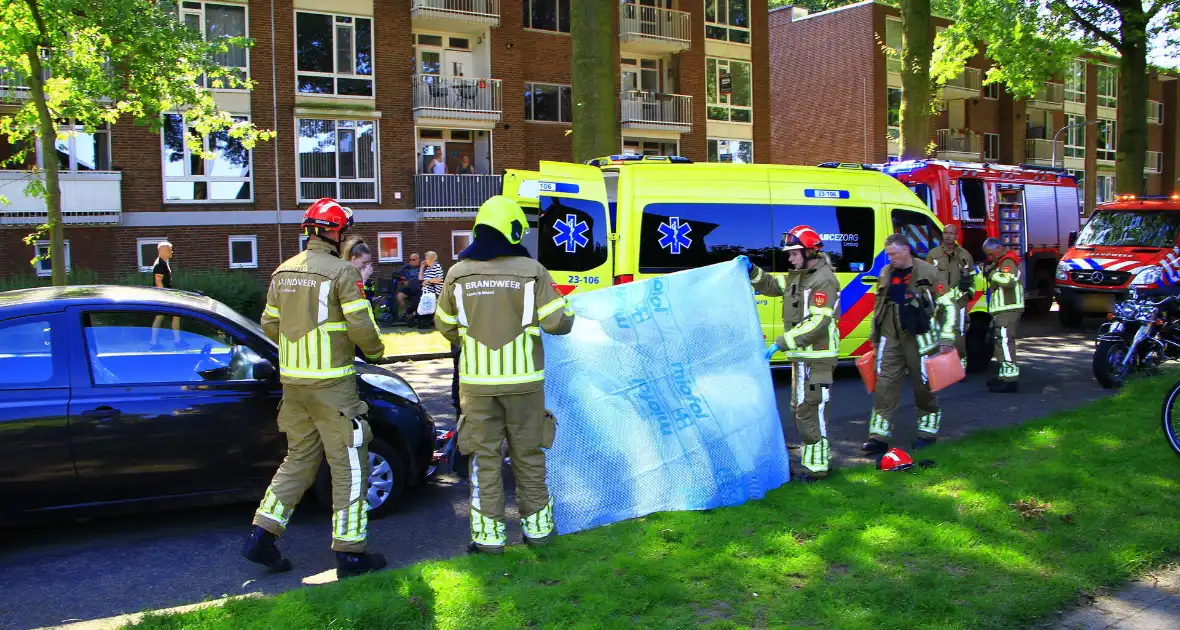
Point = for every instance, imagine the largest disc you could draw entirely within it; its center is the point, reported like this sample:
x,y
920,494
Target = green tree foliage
x,y
594,88
95,62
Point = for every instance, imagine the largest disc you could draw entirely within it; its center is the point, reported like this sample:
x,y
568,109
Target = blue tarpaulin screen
x,y
663,400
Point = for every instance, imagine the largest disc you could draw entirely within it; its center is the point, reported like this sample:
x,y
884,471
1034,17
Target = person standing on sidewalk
x,y
1005,302
495,302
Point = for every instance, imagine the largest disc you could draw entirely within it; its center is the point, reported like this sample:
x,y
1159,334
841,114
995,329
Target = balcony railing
x,y
649,110
1154,163
653,29
966,85
1050,96
1155,113
14,84
453,196
953,144
87,198
458,98
1040,152
469,16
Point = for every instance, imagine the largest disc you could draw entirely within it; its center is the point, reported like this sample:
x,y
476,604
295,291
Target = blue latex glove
x,y
770,350
746,261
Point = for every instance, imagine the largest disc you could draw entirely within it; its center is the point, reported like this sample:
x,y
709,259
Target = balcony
x,y
1155,113
1051,96
87,198
453,196
1040,152
14,84
953,144
653,30
964,86
656,112
469,17
457,98
1155,163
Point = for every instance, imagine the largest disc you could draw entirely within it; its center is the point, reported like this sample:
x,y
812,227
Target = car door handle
x,y
102,413
870,280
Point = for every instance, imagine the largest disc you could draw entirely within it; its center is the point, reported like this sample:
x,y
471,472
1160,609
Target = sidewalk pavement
x,y
1151,602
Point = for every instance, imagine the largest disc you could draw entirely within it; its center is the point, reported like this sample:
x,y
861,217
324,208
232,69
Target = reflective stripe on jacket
x,y
811,310
1006,290
495,311
924,278
317,313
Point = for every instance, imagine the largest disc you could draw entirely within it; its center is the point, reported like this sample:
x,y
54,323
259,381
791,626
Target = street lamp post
x,y
1081,124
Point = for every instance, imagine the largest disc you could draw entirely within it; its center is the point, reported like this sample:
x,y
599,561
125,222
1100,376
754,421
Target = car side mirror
x,y
264,370
1073,238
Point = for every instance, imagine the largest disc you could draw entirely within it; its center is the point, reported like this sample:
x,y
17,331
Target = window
x,y
1107,140
1075,82
337,159
547,15
333,54
1080,176
991,91
728,20
893,113
923,192
847,233
389,247
735,151
189,178
1103,188
728,90
920,230
572,234
217,21
27,359
1108,86
303,238
80,150
1121,228
677,236
550,103
972,199
1075,137
243,252
147,251
45,265
148,347
460,240
991,146
893,44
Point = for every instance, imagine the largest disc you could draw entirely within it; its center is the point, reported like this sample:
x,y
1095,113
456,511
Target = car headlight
x,y
392,384
1062,271
1151,275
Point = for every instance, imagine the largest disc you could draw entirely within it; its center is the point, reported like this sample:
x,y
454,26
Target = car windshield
x,y
1124,228
237,318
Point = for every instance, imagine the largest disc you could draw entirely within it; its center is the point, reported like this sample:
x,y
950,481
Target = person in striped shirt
x,y
431,274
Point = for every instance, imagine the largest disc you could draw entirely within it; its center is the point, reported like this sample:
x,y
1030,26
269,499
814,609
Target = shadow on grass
x,y
1010,527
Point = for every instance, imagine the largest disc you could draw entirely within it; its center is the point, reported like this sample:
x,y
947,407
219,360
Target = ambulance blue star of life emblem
x,y
571,234
674,235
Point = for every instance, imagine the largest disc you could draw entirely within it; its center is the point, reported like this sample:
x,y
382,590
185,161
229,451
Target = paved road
x,y
100,568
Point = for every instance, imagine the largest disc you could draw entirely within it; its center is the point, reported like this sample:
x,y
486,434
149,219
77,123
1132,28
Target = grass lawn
x,y
1011,526
403,341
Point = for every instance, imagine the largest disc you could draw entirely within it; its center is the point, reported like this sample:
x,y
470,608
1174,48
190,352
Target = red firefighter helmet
x,y
896,459
801,237
328,216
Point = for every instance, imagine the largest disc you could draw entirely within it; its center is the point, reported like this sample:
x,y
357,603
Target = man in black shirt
x,y
162,279
409,286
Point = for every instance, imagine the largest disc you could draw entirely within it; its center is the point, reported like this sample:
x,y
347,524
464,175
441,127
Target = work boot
x,y
1003,387
543,541
260,548
495,550
874,446
922,442
353,564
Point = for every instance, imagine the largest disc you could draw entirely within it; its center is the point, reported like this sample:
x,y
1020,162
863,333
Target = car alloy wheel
x,y
382,480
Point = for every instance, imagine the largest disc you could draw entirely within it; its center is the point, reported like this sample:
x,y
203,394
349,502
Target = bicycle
x,y
1170,421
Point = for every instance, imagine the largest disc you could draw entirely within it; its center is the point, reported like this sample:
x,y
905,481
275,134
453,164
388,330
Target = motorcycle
x,y
1142,333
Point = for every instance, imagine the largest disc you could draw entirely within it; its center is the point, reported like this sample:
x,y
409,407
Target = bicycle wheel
x,y
1170,417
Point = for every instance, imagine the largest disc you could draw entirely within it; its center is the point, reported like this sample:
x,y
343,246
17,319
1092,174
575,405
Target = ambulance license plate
x,y
1097,303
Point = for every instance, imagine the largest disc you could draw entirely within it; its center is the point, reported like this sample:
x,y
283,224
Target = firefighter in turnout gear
x,y
915,315
495,302
317,313
811,338
957,267
1005,302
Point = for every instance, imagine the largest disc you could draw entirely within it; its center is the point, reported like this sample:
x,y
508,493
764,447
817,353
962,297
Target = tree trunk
x,y
595,123
49,157
917,47
1132,125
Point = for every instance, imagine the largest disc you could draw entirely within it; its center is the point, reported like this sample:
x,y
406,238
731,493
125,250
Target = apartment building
x,y
382,106
837,96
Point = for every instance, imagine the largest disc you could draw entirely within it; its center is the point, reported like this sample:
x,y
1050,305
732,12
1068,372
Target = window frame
x,y
934,239
243,238
530,108
337,180
1076,94
139,243
207,179
1077,132
335,75
986,138
47,244
729,28
991,87
527,16
72,127
1099,188
1109,151
459,233
1108,76
715,78
709,141
893,132
182,11
401,254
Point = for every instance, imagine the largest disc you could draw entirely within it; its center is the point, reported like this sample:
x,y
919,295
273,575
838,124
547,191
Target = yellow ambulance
x,y
625,218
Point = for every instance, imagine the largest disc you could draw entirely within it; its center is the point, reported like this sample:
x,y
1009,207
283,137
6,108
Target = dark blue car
x,y
113,396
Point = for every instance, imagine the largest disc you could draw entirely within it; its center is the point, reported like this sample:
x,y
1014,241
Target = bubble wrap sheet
x,y
663,400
